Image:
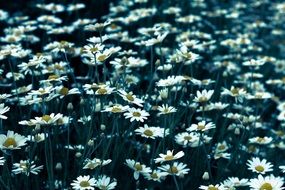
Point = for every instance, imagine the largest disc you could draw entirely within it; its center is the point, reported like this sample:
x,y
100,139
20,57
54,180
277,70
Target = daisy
x,y
259,166
212,187
64,91
103,90
260,140
150,132
233,182
136,114
155,175
254,63
137,167
236,92
221,147
3,109
117,108
224,155
186,139
188,55
266,183
84,119
83,183
165,109
201,126
37,137
203,96
105,183
12,141
169,156
95,162
178,169
281,116
170,81
131,98
52,119
26,167
42,91
159,38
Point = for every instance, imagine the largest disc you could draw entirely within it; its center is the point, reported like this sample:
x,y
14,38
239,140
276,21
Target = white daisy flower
x,y
165,109
26,167
266,183
155,175
186,139
137,167
212,187
131,98
201,126
203,96
136,114
105,183
12,141
151,132
169,156
259,166
178,169
95,162
83,183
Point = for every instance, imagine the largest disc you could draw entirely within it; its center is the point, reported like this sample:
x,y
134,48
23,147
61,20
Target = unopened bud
x,y
90,142
69,106
205,176
237,131
78,154
102,127
58,166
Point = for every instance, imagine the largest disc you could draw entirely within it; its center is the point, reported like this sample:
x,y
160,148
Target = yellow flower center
x,y
53,77
23,166
266,186
200,127
221,147
91,165
203,99
10,142
235,91
188,138
130,97
84,184
148,132
260,139
102,57
46,118
64,91
280,133
211,187
136,114
173,170
58,67
169,157
154,176
138,167
259,168
166,110
101,91
116,109
94,49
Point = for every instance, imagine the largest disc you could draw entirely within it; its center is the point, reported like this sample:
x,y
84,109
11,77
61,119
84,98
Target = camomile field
x,y
142,94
